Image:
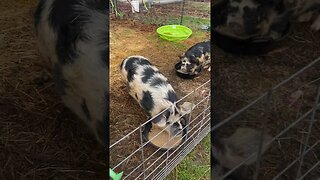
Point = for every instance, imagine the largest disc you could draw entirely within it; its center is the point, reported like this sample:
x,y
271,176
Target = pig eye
x,y
176,125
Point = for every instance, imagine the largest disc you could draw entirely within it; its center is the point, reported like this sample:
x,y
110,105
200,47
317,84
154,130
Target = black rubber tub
x,y
250,46
182,75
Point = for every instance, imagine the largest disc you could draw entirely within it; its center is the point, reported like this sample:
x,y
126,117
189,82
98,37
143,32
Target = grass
x,y
196,165
205,7
190,21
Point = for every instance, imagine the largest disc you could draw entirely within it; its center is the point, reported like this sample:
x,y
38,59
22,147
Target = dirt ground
x,y
40,138
132,38
241,79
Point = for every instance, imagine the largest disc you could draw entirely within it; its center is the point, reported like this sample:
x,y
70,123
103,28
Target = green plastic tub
x,y
174,32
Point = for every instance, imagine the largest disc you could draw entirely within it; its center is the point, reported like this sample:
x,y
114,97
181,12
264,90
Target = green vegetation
x,y
196,165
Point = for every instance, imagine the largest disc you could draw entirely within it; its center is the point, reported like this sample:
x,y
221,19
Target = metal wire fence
x,y
193,13
294,151
150,162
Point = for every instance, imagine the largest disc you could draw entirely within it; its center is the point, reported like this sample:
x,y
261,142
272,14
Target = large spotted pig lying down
x,y
73,41
249,18
154,94
196,59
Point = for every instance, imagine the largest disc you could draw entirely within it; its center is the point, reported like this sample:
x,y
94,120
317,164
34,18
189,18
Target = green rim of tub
x,y
174,32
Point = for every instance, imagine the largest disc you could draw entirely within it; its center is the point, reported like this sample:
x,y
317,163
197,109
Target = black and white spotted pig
x,y
307,10
247,18
154,94
73,40
196,58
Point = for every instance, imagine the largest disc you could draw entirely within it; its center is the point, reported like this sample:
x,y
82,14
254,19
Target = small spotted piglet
x,y
196,59
154,94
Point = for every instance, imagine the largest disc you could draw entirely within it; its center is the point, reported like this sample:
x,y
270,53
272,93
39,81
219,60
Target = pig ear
x,y
181,55
186,108
159,121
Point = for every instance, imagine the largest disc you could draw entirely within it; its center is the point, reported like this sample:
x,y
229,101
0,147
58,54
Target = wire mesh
x,y
193,13
150,162
294,151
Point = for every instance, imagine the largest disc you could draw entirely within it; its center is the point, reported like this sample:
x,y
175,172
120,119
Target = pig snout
x,y
176,129
236,28
235,23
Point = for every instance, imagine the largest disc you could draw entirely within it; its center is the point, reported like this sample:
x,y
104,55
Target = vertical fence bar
x,y
182,11
188,124
142,154
149,3
309,131
116,7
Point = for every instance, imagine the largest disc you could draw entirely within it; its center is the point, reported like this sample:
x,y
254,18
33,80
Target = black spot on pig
x,y
130,75
60,13
131,68
172,96
220,12
68,29
147,74
60,82
199,49
194,60
251,18
85,109
130,64
147,101
99,5
162,115
143,62
198,53
156,82
176,126
37,14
